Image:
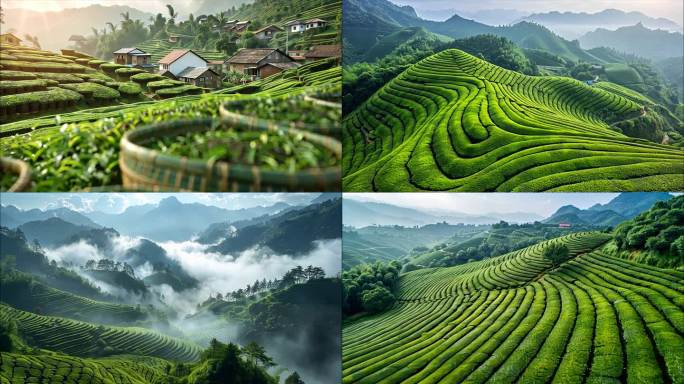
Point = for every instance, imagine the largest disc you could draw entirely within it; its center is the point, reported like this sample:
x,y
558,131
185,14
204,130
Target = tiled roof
x,y
283,66
175,55
251,56
195,72
127,50
268,27
325,51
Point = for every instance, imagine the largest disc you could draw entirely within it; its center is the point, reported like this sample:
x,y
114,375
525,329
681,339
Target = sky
x,y
671,9
152,6
118,202
543,204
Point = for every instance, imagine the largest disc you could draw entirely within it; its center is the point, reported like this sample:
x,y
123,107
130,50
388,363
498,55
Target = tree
x,y
294,379
556,253
257,354
172,14
377,299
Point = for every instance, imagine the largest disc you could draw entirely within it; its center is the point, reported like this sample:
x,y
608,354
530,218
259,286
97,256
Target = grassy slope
x,y
515,318
455,122
89,340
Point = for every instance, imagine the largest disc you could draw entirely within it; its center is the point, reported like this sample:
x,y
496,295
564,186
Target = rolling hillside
x,y
517,318
89,340
453,122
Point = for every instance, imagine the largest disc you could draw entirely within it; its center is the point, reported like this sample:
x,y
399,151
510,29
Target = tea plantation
x,y
79,150
453,122
517,318
85,339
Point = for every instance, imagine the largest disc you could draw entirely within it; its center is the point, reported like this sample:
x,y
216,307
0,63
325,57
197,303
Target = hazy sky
x,y
543,204
118,202
671,9
152,6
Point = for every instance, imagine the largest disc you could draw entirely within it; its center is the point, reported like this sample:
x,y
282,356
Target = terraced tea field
x,y
515,319
453,122
93,135
57,369
84,339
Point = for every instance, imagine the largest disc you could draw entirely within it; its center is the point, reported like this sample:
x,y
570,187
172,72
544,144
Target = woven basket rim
x,y
130,144
228,115
18,167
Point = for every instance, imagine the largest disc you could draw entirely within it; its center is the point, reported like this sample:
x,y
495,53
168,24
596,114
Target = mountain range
x,y
624,207
637,40
571,25
369,21
362,214
189,219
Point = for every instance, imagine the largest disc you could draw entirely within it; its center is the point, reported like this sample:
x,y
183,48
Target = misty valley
x,y
181,289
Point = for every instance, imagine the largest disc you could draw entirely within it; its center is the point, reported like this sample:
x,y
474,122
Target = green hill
x,y
654,237
386,243
637,40
453,122
83,339
22,292
37,82
500,239
517,318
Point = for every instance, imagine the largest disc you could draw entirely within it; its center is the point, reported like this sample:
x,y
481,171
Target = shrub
x,y
556,253
377,299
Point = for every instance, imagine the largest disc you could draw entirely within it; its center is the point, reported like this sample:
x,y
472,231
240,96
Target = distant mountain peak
x,y
170,202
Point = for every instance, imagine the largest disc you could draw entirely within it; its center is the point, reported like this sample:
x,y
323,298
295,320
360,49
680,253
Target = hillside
x,y
88,340
386,243
37,82
455,122
518,318
497,240
360,34
637,40
294,232
654,237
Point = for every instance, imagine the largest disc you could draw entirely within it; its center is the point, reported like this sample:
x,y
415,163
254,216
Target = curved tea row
x,y
455,122
85,339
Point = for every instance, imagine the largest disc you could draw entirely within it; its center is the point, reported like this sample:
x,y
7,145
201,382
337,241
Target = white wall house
x,y
178,60
296,26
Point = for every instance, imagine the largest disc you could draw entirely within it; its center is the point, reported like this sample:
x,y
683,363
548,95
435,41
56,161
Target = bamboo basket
x,y
237,119
148,169
17,167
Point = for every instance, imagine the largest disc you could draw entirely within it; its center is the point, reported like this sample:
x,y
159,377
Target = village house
x,y
241,26
315,23
133,57
319,52
173,38
296,26
297,54
168,75
10,38
267,32
299,26
269,69
248,61
216,65
178,60
204,77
